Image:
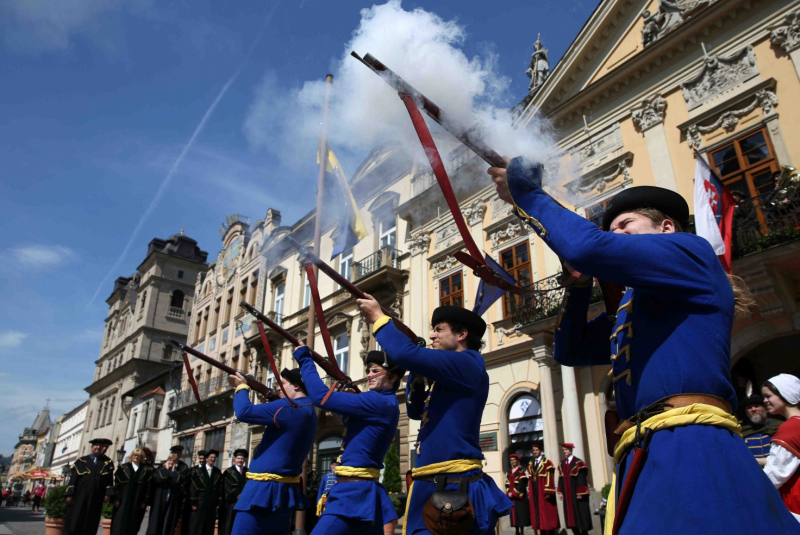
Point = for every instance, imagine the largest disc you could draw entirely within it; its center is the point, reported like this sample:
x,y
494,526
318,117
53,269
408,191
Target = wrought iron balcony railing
x,y
770,219
385,256
540,306
207,389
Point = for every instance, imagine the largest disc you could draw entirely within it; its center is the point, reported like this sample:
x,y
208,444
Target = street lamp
x,y
120,454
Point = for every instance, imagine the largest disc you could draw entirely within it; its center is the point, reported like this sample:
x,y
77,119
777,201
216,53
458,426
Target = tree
x,y
391,471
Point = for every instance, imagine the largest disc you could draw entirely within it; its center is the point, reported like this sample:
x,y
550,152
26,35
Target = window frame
x,y
392,232
343,363
513,271
448,300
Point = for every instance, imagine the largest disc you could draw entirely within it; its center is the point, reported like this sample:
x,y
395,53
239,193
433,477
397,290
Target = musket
x,y
329,367
252,382
352,288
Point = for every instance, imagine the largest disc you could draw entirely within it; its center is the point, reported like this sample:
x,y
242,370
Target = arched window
x,y
144,301
110,411
176,300
524,426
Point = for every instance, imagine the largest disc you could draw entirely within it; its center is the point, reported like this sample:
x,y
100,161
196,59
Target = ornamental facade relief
x,y
650,114
787,34
718,75
419,243
765,99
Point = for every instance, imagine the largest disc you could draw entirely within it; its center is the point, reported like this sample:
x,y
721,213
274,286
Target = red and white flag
x,y
713,211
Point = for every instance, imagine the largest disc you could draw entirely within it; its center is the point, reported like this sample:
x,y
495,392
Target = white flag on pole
x,y
706,202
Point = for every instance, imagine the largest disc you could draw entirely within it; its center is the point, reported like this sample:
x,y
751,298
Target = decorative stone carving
x,y
344,296
445,236
397,306
419,243
650,114
502,332
670,15
787,35
765,99
364,329
474,214
444,265
539,68
599,181
718,75
513,229
500,208
597,149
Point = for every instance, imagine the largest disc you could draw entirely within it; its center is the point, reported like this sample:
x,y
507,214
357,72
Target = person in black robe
x,y
233,480
573,488
167,492
131,494
89,485
205,492
187,506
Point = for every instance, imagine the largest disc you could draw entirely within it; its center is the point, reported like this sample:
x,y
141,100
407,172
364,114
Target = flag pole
x,y
322,152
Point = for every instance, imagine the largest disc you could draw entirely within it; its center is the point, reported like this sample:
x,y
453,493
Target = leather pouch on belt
x,y
449,512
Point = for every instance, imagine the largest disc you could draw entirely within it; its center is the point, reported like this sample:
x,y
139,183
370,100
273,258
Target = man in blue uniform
x,y
670,359
325,485
358,503
272,491
447,390
757,431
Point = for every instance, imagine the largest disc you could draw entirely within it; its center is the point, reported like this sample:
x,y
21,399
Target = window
x,y
99,415
197,327
387,230
278,307
110,411
747,164
307,293
167,355
180,274
217,307
188,448
215,440
524,426
176,301
253,289
144,300
270,382
346,264
205,321
451,290
341,350
327,452
212,345
243,291
225,336
596,212
229,307
516,260
245,359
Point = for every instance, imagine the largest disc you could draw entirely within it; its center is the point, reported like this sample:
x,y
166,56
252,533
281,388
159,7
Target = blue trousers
x,y
336,525
259,521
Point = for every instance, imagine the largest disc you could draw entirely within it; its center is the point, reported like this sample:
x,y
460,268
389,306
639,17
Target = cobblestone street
x,y
21,521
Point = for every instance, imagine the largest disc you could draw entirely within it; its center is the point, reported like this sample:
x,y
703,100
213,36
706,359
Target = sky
x,y
125,121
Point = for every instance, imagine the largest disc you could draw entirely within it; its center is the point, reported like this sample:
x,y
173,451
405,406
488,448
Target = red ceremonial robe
x,y
542,494
516,485
572,483
788,436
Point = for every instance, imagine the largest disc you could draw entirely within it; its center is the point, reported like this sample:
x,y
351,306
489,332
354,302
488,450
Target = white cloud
x,y
9,339
38,256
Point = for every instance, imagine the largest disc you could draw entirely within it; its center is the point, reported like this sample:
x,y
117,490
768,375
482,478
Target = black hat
x,y
239,452
202,453
538,445
100,442
212,452
176,449
669,202
293,376
461,316
382,359
753,400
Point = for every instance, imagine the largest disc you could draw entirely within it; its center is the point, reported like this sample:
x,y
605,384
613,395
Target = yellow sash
x,y
695,414
457,466
354,471
273,477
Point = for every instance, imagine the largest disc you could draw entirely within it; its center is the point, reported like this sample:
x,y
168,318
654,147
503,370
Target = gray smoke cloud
x,y
365,111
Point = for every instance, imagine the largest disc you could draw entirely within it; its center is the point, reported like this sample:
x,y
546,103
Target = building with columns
x,y
153,303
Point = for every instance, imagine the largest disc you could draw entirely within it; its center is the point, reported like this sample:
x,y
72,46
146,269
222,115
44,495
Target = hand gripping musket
x,y
414,100
252,382
331,368
352,288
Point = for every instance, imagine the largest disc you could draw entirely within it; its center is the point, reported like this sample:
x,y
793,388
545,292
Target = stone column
x,y
543,356
474,217
787,36
571,417
418,246
649,120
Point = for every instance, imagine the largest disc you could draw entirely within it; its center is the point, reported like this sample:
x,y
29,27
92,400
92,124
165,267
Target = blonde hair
x,y
173,457
139,452
744,299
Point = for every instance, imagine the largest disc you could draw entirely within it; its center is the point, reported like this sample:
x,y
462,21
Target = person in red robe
x,y
542,493
573,488
782,397
516,489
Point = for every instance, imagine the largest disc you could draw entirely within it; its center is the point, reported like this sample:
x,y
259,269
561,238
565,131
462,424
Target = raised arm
x,y
247,412
455,369
579,342
364,406
676,266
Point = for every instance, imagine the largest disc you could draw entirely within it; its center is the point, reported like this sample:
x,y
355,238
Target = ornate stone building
x,y
153,303
69,439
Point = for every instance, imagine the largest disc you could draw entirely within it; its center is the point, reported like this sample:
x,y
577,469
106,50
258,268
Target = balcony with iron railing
x,y
206,389
383,257
766,221
545,303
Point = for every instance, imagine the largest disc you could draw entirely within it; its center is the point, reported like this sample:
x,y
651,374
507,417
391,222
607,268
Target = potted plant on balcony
x,y
55,511
108,514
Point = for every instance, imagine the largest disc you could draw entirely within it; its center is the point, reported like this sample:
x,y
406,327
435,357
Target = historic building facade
x,y
143,309
69,439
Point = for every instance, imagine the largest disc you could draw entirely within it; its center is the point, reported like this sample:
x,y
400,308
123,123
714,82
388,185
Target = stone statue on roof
x,y
539,68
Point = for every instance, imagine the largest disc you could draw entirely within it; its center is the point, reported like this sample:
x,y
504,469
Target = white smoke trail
x,y
173,169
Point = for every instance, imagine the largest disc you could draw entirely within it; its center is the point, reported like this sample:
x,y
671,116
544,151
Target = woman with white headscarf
x,y
782,397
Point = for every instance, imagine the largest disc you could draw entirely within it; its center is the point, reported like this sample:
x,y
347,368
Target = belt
x,y
351,479
356,473
450,480
265,476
